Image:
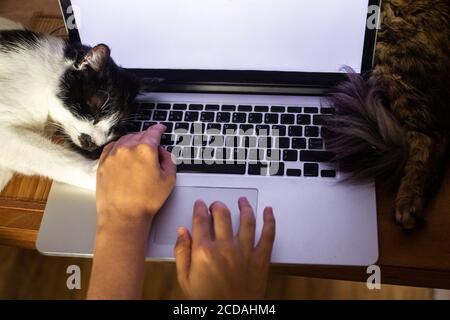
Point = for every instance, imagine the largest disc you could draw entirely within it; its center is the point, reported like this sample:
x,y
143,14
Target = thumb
x,y
183,249
167,161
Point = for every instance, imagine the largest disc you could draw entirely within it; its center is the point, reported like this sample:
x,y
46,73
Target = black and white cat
x,y
46,82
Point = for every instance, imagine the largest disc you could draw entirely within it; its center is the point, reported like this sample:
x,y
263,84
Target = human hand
x,y
221,265
134,179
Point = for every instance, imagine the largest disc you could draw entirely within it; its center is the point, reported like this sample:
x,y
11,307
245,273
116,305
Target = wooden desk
x,y
419,258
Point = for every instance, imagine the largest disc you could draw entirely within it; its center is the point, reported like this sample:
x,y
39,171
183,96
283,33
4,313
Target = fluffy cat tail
x,y
367,140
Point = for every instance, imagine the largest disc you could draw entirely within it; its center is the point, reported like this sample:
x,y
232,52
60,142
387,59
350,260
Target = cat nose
x,y
87,143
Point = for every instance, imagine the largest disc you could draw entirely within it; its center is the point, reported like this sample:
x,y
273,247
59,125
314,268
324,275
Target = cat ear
x,y
97,58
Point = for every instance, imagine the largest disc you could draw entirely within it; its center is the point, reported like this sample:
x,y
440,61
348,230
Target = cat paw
x,y
408,214
85,175
93,167
88,182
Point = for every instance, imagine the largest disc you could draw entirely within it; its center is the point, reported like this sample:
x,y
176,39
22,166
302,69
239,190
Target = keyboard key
x,y
198,128
212,107
223,117
239,118
213,128
263,130
245,108
276,109
207,116
279,131
144,114
261,109
316,144
273,155
276,169
256,154
181,127
169,126
246,129
258,169
294,172
249,142
316,156
295,131
255,118
271,118
190,152
133,126
160,115
184,140
207,153
311,170
299,143
311,110
148,106
312,131
287,119
179,107
216,141
191,116
223,154
282,143
320,120
328,174
176,116
232,141
167,140
290,155
230,129
304,119
295,109
163,106
199,141
240,154
196,107
229,108
326,110
265,142
215,168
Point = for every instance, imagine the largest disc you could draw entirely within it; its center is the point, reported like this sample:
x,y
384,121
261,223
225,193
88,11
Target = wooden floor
x,y
25,274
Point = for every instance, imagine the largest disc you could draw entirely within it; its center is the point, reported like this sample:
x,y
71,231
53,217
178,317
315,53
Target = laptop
x,y
244,103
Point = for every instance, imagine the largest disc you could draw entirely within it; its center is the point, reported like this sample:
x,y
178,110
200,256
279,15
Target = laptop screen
x,y
318,36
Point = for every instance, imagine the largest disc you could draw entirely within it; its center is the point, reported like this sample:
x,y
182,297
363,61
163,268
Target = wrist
x,y
121,224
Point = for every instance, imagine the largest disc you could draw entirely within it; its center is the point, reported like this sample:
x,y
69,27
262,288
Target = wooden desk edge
x,y
25,205
26,238
394,275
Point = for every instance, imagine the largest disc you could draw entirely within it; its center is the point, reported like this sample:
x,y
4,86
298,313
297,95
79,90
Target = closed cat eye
x,y
98,101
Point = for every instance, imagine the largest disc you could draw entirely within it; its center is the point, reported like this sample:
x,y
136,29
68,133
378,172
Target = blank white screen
x,y
266,35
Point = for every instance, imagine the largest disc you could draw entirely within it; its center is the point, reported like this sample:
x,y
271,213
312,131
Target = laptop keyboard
x,y
242,139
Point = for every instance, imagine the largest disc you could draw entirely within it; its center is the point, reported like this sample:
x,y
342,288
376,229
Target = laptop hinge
x,y
241,89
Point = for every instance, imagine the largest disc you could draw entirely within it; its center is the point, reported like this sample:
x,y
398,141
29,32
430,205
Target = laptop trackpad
x,y
179,208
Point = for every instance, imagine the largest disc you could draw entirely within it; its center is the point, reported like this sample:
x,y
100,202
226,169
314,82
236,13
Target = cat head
x,y
97,98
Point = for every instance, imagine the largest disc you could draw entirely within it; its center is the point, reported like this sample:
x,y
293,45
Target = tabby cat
x,y
394,124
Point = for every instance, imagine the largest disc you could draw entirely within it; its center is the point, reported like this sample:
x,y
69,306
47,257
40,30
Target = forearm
x,y
119,261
